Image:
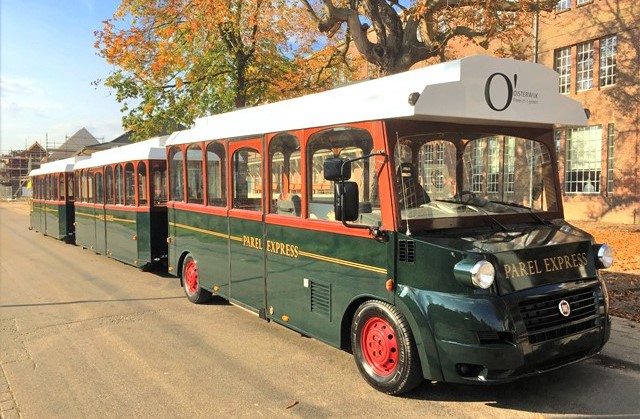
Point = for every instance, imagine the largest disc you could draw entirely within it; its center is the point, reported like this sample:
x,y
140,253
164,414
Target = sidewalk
x,y
623,347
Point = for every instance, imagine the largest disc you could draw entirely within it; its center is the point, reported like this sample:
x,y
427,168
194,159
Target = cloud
x,y
21,95
18,86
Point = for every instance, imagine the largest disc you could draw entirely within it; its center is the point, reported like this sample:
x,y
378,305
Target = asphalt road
x,y
84,336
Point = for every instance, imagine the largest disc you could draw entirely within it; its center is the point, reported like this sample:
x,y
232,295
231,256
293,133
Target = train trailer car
x,y
121,203
52,207
416,219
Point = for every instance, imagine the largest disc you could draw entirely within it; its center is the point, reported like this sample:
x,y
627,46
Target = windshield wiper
x,y
529,210
476,208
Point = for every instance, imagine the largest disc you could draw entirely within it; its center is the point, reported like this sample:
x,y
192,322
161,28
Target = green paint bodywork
x,y
313,283
132,237
53,219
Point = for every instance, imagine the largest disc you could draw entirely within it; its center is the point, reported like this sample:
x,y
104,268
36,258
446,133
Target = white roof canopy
x,y
58,166
472,90
152,149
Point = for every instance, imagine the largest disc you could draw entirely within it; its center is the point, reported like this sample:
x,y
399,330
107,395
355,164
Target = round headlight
x,y
604,256
482,274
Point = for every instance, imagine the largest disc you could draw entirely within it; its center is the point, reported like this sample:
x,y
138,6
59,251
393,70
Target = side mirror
x,y
346,201
337,169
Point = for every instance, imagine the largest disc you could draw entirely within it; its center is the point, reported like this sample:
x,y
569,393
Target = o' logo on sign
x,y
509,86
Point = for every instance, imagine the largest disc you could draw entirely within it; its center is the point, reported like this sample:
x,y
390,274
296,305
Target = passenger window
x,y
177,190
142,183
119,186
159,174
343,142
99,188
216,182
83,187
286,182
70,182
247,179
129,185
90,186
61,187
195,187
108,184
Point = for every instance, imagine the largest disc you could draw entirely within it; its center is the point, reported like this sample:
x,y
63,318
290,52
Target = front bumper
x,y
490,339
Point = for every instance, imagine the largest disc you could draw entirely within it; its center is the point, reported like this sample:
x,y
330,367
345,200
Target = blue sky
x,y
47,64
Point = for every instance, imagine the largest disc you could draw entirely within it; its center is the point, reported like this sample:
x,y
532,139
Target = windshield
x,y
471,174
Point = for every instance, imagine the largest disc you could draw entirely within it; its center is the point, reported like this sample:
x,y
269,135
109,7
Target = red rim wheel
x,y
191,276
380,346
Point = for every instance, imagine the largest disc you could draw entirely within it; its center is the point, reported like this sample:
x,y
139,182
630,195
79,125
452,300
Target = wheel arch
x,y
181,259
422,335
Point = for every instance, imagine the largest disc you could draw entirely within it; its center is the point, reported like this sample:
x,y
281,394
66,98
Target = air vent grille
x,y
321,299
407,251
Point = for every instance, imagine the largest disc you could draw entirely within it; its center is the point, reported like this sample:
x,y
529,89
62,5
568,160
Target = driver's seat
x,y
411,193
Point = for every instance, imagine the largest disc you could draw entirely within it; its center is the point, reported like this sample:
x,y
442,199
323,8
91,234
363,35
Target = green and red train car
x,y
120,207
415,220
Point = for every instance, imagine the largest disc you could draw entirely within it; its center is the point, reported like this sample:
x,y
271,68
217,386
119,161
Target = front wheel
x,y
191,282
384,349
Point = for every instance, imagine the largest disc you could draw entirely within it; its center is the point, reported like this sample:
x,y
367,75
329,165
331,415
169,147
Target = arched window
x,y
195,186
70,187
247,179
90,197
159,177
176,181
286,184
349,143
129,184
83,187
108,186
216,179
119,185
99,188
61,187
142,184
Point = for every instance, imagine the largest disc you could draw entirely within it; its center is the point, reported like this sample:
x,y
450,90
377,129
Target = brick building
x,y
595,47
15,167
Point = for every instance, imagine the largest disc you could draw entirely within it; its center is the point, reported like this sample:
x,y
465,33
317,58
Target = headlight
x,y
473,272
604,255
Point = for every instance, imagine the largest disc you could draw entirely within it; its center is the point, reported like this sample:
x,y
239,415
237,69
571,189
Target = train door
x,y
246,227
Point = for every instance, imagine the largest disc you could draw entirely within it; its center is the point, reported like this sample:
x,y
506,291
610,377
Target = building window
x,y
493,165
581,2
563,5
509,163
477,166
608,50
434,167
610,136
583,160
584,71
563,67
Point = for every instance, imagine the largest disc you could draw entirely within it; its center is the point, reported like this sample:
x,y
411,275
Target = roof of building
x,y
73,144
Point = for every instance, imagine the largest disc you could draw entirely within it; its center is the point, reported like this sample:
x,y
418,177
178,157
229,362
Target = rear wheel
x,y
191,282
384,349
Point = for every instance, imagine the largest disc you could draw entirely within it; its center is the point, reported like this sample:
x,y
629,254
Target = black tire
x,y
384,348
191,282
